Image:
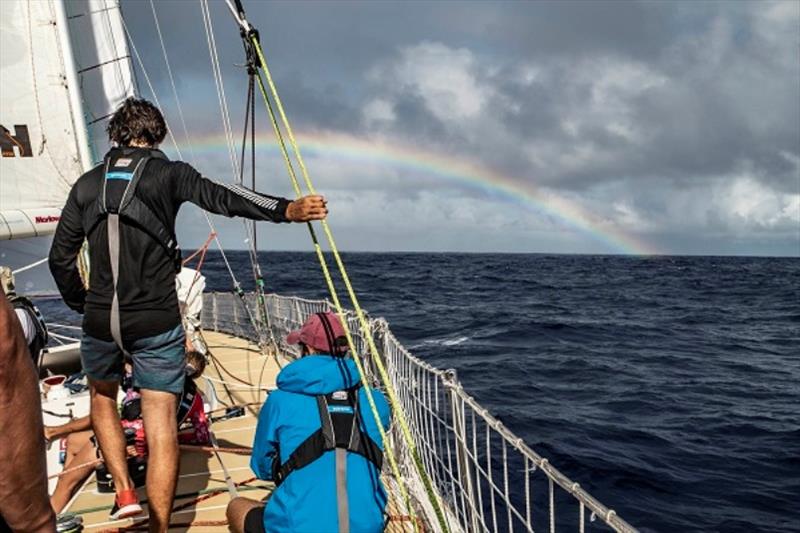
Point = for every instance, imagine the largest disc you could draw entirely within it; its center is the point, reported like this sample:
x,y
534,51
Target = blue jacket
x,y
306,501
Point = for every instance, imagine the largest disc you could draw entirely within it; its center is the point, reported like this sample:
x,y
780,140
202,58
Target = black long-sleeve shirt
x,y
146,286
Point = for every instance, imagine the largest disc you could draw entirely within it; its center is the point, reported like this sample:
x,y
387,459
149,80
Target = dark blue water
x,y
669,387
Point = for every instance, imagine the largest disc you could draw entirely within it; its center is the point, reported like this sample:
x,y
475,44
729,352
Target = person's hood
x,y
318,374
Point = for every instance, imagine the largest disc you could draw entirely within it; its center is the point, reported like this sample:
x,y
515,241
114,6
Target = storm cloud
x,y
676,123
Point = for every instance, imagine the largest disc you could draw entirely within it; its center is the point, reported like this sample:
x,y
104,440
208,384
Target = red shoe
x,y
126,504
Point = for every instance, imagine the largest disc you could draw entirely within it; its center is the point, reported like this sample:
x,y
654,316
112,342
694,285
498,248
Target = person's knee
x,y
104,390
230,511
159,403
73,443
236,512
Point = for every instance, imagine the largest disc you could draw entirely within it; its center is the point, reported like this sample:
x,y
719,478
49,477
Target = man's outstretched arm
x,y
236,201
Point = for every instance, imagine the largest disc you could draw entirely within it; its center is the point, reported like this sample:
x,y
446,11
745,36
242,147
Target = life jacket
x,y
123,172
340,430
39,341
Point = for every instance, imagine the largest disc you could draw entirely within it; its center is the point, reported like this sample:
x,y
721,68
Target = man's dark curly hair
x,y
137,120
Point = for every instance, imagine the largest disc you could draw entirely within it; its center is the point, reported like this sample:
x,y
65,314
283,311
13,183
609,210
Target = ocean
x,y
668,387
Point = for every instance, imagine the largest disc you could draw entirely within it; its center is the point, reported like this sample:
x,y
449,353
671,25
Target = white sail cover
x,y
63,68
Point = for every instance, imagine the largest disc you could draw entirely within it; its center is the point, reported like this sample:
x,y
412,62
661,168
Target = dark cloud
x,y
642,111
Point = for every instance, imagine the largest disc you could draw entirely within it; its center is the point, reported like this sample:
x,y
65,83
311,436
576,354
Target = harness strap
x,y
341,491
337,421
340,431
113,254
39,343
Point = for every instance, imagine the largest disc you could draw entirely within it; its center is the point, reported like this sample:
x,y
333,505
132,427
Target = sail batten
x,y
103,65
65,69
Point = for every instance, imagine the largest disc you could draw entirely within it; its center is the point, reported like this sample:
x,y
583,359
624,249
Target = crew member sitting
x,y
318,440
81,447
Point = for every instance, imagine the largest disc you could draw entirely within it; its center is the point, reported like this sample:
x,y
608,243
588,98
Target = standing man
x,y
126,209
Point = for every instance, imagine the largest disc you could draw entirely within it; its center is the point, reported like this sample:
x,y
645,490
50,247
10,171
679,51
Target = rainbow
x,y
459,171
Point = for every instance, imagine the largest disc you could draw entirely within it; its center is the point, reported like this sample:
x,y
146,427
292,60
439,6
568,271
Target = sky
x,y
553,127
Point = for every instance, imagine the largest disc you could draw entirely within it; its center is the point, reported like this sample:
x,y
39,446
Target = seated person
x,y
320,399
81,448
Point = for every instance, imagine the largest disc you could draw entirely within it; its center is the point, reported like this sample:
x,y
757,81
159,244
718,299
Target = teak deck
x,y
201,486
202,493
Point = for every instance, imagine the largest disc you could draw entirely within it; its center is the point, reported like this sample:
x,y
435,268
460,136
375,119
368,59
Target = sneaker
x,y
126,504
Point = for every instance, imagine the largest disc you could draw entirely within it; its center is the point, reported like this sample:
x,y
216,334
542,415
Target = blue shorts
x,y
159,362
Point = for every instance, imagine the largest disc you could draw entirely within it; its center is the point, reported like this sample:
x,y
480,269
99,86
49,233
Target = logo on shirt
x,y
340,395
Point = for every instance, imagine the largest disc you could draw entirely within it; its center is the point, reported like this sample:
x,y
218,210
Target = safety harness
x,y
39,341
341,430
124,168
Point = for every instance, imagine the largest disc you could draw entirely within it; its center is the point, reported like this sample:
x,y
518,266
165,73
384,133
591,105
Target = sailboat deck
x,y
202,493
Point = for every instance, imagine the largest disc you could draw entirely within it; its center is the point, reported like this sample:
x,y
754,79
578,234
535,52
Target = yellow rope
x,y
340,311
356,306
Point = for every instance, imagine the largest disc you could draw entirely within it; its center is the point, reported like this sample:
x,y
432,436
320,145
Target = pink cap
x,y
313,334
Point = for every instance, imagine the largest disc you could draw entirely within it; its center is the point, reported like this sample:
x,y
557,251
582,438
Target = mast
x,y
71,73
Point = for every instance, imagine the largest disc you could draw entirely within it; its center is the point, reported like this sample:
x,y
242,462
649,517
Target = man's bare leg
x,y
108,430
237,512
159,412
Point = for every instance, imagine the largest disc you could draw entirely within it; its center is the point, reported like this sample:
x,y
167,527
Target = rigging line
x,y
253,150
177,149
28,267
150,85
335,296
260,280
172,82
217,73
223,102
186,131
406,432
218,81
240,180
250,227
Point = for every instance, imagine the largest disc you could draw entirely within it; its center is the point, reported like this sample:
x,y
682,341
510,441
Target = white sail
x,y
103,64
63,68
